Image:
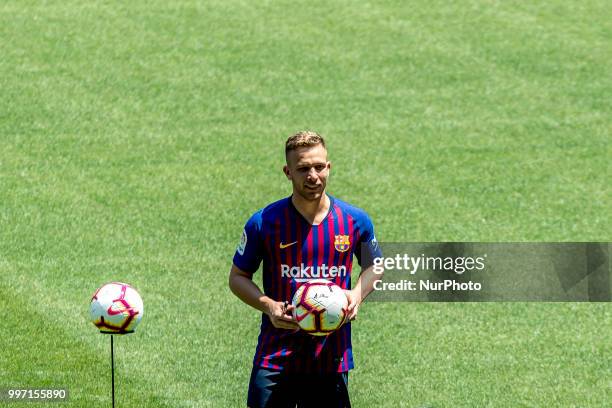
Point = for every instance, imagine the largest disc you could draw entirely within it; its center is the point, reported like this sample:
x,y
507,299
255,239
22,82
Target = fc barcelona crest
x,y
342,243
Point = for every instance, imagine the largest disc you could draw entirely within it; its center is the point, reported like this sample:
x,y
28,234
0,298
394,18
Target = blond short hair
x,y
304,138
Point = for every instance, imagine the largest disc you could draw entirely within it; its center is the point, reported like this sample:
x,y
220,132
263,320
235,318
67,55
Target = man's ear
x,y
286,171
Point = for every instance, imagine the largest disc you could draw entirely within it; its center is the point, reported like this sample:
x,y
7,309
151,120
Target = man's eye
x,y
320,168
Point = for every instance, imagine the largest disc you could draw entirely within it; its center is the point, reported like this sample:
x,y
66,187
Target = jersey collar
x,y
328,215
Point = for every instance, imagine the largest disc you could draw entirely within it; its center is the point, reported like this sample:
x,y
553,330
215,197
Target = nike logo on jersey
x,y
283,246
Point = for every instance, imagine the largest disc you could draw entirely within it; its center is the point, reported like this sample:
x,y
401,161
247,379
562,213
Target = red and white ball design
x,y
116,308
320,307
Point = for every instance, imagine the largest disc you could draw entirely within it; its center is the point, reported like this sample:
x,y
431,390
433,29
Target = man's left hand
x,y
354,300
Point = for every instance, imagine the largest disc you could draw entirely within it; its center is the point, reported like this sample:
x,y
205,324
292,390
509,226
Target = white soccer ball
x,y
116,308
320,307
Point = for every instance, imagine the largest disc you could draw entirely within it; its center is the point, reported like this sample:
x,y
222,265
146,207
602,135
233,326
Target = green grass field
x,y
136,138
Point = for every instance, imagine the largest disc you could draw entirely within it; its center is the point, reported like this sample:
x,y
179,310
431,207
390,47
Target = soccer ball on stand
x,y
320,307
116,308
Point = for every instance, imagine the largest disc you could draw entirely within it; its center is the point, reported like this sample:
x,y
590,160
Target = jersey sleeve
x,y
249,252
368,248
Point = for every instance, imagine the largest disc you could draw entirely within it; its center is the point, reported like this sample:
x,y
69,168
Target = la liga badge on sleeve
x,y
243,242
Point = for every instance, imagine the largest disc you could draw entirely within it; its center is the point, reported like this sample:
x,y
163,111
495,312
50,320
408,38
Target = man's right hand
x,y
280,314
241,284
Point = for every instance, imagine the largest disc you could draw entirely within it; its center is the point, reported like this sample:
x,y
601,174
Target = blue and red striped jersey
x,y
293,251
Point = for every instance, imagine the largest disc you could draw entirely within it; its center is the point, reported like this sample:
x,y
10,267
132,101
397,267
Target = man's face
x,y
308,169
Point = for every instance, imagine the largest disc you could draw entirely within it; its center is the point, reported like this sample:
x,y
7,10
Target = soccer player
x,y
299,238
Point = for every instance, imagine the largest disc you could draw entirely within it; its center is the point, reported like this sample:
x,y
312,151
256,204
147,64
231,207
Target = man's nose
x,y
312,174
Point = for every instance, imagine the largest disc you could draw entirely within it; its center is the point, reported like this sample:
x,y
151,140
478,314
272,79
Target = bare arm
x,y
242,285
365,283
363,287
